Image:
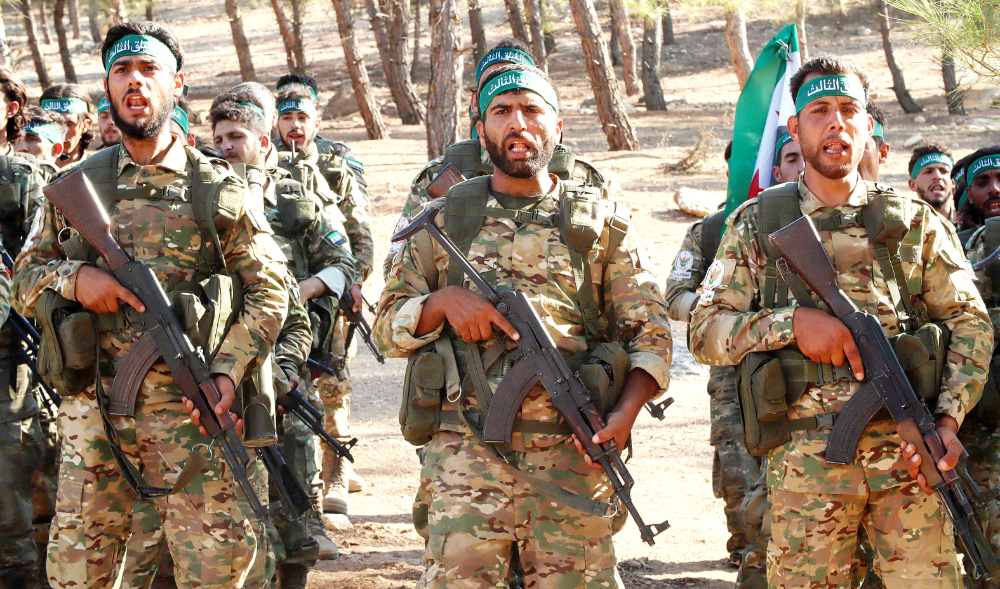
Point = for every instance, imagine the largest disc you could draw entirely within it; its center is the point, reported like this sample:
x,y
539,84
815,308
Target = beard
x,y
529,168
813,154
931,199
144,129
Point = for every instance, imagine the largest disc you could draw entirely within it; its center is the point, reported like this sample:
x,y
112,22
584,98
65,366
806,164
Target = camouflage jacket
x,y
976,250
295,339
161,232
685,276
728,323
18,206
321,248
532,259
353,203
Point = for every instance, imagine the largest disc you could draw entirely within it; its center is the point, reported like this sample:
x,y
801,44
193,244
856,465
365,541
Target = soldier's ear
x,y
265,142
178,89
793,128
12,109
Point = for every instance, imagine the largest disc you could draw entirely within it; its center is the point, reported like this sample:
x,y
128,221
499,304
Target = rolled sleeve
x,y
657,367
404,324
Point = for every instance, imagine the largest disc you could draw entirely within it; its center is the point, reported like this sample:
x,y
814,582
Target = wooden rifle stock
x,y
442,183
74,196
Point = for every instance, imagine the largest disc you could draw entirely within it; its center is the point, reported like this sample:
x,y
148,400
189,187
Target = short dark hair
x,y
13,91
925,148
143,27
506,69
880,117
970,215
226,108
728,153
828,65
75,91
254,93
38,115
296,79
513,43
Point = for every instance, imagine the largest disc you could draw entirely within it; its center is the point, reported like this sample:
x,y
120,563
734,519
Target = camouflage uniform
x,y
472,533
734,469
818,507
211,542
980,434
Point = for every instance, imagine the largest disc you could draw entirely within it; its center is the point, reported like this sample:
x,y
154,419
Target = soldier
x,y
930,177
470,542
154,176
72,103
12,119
339,181
744,315
179,122
43,138
734,470
876,149
109,132
980,434
788,162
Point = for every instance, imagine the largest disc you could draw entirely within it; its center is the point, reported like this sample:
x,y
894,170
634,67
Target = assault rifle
x,y
26,332
295,402
293,497
356,323
885,385
76,200
539,362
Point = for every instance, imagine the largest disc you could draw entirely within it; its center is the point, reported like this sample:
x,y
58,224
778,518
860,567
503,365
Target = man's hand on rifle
x,y
640,387
947,428
470,315
825,339
100,292
311,288
356,297
227,395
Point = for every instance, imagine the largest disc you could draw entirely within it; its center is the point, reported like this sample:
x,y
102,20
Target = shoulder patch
x,y
682,265
355,164
336,238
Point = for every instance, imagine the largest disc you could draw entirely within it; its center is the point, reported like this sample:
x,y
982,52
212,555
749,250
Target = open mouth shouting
x,y
136,104
992,207
837,148
520,148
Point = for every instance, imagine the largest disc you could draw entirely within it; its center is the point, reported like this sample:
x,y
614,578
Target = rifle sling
x,y
129,376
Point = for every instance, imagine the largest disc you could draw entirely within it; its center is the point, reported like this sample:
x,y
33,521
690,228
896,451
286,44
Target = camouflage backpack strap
x,y
711,235
776,207
887,221
467,156
212,206
101,169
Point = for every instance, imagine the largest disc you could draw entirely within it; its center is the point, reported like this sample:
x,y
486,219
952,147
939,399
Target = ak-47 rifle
x,y
26,332
539,362
76,200
356,323
885,385
293,497
295,402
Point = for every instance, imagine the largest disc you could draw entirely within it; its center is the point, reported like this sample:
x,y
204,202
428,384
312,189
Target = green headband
x,y
181,118
502,55
306,86
299,104
524,80
928,159
103,105
784,140
254,108
140,45
822,86
989,162
879,130
44,130
68,106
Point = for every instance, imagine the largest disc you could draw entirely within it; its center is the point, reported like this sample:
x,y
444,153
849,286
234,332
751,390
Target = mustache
x,y
520,136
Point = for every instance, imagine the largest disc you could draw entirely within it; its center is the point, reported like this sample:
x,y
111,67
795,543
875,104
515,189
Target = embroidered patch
x,y
682,266
336,238
395,246
356,164
714,276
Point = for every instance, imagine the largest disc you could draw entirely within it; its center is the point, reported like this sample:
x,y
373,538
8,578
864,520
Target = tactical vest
x,y
769,382
987,410
467,157
711,235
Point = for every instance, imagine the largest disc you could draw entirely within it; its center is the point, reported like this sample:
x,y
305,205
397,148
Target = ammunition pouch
x,y
420,411
604,373
207,309
296,209
67,356
323,315
767,383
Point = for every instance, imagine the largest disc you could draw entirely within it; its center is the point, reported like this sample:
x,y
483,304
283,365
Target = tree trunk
x,y
298,43
617,126
668,26
239,39
416,40
616,48
736,37
5,55
286,38
476,27
149,9
36,54
800,26
359,75
390,29
533,8
909,104
43,23
58,15
954,96
117,12
620,20
74,17
95,29
445,88
651,46
516,17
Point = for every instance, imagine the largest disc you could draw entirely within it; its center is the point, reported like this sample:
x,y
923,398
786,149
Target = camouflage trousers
x,y
20,456
45,483
480,508
734,469
298,446
982,441
814,539
212,544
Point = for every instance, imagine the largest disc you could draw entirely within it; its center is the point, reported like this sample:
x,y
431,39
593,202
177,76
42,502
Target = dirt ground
x,y
672,466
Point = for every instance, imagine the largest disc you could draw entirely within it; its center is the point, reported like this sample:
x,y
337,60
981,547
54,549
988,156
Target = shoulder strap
x,y
206,190
776,207
464,213
102,170
467,157
887,221
581,222
711,235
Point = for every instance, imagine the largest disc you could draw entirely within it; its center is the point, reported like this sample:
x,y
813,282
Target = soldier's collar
x,y
811,203
174,159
